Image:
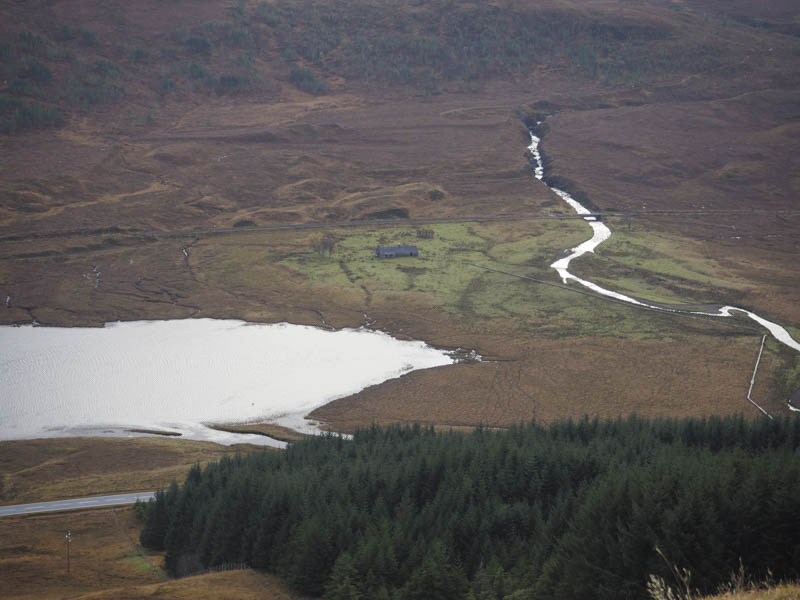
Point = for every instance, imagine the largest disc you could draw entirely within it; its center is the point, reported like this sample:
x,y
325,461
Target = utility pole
x,y
69,539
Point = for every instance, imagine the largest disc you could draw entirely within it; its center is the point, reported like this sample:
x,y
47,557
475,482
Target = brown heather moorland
x,y
58,468
213,118
148,141
106,562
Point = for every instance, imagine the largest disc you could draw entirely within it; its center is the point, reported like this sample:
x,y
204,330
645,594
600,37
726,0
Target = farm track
x,y
177,233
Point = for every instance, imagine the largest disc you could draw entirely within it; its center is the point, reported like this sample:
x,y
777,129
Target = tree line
x,y
424,45
572,510
434,42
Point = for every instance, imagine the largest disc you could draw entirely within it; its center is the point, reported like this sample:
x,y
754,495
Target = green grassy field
x,y
444,269
446,275
661,267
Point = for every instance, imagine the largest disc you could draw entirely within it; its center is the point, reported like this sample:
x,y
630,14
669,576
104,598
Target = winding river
x,y
600,233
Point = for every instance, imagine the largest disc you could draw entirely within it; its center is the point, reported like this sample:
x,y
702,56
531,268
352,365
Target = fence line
x,y
228,567
753,379
238,566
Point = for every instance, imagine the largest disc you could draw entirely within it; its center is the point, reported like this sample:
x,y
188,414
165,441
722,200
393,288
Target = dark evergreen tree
x,y
155,529
436,578
343,581
572,510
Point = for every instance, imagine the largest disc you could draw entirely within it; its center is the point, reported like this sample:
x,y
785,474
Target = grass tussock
x,y
740,586
788,591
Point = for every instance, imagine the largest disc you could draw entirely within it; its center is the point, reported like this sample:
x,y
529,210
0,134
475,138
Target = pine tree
x,y
342,584
436,578
155,529
573,510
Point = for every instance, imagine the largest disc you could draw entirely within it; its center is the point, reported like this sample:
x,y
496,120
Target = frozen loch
x,y
178,375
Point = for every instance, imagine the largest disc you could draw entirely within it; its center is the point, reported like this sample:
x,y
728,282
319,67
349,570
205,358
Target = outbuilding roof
x,y
398,248
395,251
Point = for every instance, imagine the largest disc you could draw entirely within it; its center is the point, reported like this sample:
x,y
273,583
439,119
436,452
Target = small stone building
x,y
395,251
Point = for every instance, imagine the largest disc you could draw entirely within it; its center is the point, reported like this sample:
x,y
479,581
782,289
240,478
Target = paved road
x,y
75,504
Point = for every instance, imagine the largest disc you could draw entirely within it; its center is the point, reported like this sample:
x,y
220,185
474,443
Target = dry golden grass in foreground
x,y
790,591
54,468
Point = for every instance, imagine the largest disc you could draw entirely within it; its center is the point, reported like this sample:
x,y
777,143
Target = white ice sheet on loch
x,y
179,374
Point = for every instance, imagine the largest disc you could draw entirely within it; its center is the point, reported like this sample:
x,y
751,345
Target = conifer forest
x,y
573,510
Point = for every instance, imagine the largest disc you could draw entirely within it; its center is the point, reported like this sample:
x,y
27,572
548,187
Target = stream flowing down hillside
x,y
600,233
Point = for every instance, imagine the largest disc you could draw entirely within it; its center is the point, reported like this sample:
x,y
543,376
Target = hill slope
x,y
129,119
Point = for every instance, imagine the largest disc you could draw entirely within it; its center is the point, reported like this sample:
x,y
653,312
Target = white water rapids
x,y
600,233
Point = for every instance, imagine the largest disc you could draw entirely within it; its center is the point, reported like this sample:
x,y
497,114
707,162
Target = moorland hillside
x,y
139,101
124,123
